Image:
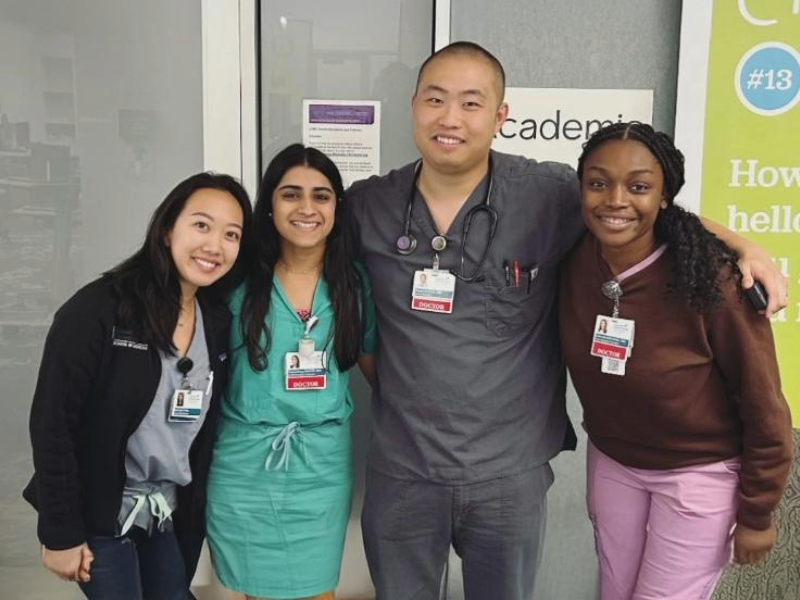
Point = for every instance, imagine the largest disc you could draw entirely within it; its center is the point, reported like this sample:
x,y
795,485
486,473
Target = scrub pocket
x,y
511,310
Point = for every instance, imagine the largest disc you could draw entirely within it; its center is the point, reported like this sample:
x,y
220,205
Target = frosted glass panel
x,y
100,115
342,51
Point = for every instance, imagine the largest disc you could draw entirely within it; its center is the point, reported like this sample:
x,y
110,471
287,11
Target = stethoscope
x,y
407,243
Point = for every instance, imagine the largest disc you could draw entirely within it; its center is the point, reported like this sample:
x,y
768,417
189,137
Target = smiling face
x,y
303,208
456,112
623,191
204,241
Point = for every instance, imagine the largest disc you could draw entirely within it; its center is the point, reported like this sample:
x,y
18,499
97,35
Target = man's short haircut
x,y
469,49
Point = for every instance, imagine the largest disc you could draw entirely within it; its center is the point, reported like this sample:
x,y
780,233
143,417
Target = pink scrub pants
x,y
661,534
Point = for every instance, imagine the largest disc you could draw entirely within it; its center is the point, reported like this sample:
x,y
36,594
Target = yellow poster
x,y
751,146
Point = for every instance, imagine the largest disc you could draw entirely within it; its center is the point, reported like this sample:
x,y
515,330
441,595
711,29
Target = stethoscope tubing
x,y
407,243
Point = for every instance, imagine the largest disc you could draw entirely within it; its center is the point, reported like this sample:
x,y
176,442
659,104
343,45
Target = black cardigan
x,y
96,383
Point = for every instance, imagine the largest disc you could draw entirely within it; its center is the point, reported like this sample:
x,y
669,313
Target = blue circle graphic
x,y
768,78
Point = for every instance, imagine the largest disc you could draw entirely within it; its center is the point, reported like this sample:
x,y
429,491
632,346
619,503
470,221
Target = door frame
x,y
231,127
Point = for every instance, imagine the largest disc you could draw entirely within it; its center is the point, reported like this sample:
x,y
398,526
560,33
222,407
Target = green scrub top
x,y
261,397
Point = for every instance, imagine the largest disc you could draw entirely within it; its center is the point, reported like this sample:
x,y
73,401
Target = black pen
x,y
507,271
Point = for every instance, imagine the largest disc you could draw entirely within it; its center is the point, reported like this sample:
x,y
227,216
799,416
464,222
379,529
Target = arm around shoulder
x,y
756,265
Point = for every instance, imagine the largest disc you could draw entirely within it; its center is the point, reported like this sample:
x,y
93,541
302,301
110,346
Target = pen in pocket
x,y
532,273
513,271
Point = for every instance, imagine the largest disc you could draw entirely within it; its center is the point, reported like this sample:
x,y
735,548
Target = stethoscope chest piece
x,y
439,243
406,244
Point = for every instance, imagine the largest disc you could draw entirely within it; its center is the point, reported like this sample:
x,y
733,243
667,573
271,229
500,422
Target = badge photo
x,y
612,338
433,291
186,405
305,371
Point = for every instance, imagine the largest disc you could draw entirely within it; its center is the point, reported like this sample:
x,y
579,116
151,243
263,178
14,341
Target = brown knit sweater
x,y
698,388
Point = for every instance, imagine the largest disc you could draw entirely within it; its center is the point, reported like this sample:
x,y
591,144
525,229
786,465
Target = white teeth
x,y
616,220
448,141
304,225
205,264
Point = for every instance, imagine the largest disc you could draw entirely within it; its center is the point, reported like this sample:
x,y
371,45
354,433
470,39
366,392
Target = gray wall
x,y
620,44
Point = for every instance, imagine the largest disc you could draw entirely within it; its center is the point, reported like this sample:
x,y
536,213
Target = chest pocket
x,y
511,310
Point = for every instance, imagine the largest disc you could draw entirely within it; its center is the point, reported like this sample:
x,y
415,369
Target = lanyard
x,y
612,289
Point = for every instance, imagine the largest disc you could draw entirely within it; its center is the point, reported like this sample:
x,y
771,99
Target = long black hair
x,y
345,285
699,257
147,283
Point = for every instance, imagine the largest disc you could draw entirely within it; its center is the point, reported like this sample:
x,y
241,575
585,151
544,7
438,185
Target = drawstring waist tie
x,y
282,445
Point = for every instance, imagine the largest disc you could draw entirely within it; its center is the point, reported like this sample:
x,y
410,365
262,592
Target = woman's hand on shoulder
x,y
752,545
72,564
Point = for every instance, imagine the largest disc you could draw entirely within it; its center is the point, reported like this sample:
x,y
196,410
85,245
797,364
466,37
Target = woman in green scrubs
x,y
281,478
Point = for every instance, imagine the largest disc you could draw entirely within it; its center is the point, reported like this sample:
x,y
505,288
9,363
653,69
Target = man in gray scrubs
x,y
469,406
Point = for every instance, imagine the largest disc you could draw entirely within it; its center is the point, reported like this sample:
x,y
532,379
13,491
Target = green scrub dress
x,y
280,486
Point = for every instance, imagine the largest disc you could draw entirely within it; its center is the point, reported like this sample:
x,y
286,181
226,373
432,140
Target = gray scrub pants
x,y
496,527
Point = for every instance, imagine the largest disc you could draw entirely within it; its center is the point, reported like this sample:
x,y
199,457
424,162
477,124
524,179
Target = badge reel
x,y
187,403
305,369
433,289
612,339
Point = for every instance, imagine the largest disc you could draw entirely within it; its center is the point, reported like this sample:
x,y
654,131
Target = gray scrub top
x,y
157,454
479,393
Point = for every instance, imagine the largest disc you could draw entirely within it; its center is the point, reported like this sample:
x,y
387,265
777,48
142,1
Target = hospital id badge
x,y
612,338
305,371
433,291
186,406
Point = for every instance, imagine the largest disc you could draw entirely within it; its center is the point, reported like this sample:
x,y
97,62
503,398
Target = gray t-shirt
x,y
157,454
479,393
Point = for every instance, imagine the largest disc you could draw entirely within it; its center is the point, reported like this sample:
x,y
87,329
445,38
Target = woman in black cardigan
x,y
127,398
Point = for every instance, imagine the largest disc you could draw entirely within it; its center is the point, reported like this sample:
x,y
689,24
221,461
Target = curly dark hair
x,y
701,261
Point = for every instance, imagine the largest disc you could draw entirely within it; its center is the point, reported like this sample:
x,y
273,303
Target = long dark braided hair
x,y
699,258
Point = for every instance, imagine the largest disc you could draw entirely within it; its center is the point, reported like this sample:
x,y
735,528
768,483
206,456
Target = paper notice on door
x,y
348,131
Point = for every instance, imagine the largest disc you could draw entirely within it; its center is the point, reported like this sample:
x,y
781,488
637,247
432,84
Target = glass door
x,y
104,106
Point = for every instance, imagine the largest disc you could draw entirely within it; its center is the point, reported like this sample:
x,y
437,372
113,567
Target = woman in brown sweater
x,y
690,435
